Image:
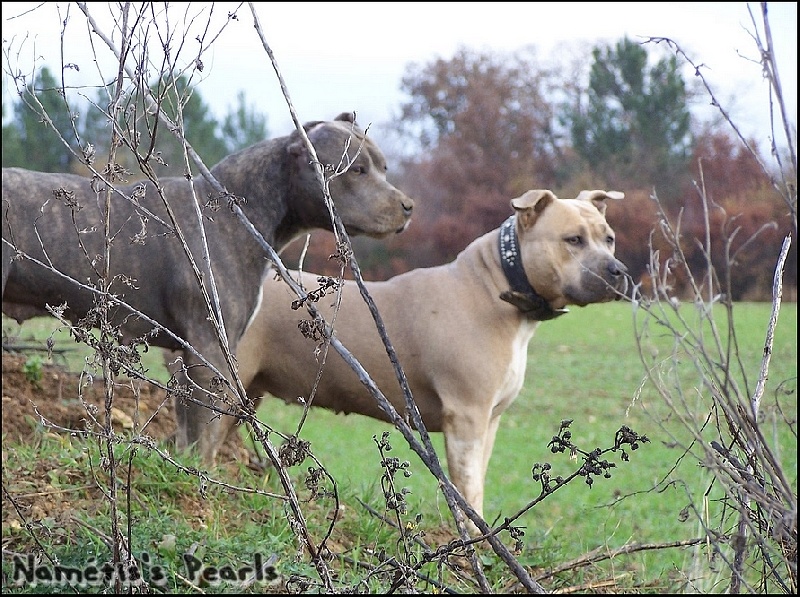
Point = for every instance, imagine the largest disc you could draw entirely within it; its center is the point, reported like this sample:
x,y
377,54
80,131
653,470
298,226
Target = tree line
x,y
482,128
28,143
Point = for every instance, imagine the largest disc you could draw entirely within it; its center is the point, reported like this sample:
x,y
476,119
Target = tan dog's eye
x,y
575,241
610,240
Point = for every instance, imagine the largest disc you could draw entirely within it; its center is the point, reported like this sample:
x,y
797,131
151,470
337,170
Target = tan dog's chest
x,y
514,377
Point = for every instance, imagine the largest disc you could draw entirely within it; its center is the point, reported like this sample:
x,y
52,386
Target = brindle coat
x,y
58,220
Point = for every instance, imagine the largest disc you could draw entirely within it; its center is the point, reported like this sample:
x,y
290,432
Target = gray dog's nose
x,y
408,207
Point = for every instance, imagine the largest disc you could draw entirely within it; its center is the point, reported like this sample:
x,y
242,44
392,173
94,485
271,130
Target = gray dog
x,y
461,330
57,220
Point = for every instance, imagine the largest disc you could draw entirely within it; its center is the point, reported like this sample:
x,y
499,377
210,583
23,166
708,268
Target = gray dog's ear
x,y
317,131
310,125
347,117
314,131
530,204
598,197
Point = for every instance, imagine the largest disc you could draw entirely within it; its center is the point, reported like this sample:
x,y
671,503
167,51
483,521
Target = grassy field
x,y
583,367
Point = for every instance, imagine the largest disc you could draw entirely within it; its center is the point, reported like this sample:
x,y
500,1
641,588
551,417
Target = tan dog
x,y
461,330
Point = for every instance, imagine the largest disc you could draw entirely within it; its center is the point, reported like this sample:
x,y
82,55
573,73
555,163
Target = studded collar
x,y
521,294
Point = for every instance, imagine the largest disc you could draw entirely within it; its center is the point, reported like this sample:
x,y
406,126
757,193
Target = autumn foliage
x,y
487,134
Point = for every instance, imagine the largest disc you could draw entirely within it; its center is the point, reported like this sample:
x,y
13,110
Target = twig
x,y
588,586
777,293
23,347
603,553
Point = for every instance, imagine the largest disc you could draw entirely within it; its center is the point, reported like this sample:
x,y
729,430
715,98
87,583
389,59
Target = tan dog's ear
x,y
530,205
599,197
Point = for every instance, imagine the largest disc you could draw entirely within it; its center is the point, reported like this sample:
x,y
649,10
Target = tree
x,y
32,142
486,129
183,103
729,170
12,143
243,126
745,211
149,136
491,105
635,126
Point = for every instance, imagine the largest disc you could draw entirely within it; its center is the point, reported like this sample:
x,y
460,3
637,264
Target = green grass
x,y
583,367
160,524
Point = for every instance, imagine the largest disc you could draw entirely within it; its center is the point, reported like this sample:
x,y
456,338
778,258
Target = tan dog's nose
x,y
616,268
618,272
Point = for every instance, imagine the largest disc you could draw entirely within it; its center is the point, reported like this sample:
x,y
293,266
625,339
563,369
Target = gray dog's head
x,y
366,202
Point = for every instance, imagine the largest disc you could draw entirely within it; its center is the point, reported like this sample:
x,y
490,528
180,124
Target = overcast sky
x,y
342,56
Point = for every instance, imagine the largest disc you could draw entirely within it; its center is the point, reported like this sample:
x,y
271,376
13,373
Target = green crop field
x,y
584,367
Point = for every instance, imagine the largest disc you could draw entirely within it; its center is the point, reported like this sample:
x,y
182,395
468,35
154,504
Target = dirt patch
x,y
36,398
52,399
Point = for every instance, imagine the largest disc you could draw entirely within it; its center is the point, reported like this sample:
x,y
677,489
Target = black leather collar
x,y
521,294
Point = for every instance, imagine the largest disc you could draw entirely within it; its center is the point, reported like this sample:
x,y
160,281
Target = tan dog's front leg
x,y
466,435
488,446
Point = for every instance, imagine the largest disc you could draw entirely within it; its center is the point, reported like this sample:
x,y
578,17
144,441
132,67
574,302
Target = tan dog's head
x,y
567,247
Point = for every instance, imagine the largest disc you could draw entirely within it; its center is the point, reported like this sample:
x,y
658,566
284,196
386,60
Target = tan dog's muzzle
x,y
599,284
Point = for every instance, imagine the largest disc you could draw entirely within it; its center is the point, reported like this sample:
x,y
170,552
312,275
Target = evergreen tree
x,y
243,126
636,124
30,143
13,154
180,101
40,147
95,126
